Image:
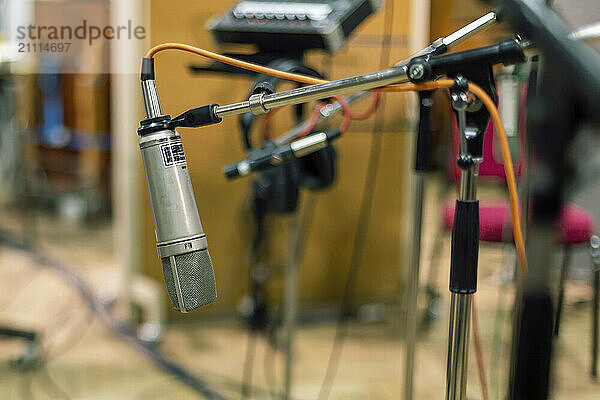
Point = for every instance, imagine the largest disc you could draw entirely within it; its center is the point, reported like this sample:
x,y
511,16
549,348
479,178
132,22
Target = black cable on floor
x,y
118,327
363,219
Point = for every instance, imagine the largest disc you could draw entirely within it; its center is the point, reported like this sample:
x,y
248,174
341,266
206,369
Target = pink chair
x,y
575,226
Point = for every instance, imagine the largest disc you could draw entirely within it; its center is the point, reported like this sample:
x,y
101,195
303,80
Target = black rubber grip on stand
x,y
465,247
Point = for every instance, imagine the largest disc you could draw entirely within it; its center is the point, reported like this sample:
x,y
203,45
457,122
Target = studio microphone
x,y
181,242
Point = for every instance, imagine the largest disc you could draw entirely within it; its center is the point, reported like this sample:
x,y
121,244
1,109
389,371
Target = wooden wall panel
x,y
221,203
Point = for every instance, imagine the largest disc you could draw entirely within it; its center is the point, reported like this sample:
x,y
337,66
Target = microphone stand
x,y
473,120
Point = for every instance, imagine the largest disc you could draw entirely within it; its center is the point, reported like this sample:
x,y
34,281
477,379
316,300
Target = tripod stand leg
x,y
413,288
595,257
290,302
595,310
561,289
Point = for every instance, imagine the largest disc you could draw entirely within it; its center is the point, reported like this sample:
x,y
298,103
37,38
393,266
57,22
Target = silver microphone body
x,y
180,239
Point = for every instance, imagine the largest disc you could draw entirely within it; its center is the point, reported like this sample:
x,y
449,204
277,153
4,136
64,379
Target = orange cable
x,y
236,63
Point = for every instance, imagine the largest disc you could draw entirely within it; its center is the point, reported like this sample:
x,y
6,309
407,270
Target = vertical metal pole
x,y
413,287
458,346
460,310
290,302
595,256
465,249
595,311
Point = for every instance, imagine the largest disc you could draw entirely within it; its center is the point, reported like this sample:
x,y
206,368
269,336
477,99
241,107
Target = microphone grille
x,y
190,280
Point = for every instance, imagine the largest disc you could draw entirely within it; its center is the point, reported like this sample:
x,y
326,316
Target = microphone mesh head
x,y
194,272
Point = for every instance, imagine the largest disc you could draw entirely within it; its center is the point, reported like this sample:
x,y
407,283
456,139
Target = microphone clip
x,y
197,117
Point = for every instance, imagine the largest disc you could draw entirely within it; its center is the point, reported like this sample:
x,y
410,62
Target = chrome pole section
x,y
260,104
460,307
458,346
291,302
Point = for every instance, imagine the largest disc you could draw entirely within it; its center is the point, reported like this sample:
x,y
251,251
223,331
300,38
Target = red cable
x,y
369,111
266,121
314,118
348,115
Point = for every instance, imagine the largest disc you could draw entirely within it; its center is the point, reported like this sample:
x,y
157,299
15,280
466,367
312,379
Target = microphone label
x,y
172,154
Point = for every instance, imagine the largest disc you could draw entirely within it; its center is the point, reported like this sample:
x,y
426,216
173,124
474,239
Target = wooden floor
x,y
86,361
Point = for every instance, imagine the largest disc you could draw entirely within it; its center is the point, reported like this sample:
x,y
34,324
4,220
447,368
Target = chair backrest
x,y
491,168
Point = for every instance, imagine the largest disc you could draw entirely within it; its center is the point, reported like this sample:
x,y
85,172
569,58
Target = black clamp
x,y
476,120
194,118
197,117
461,85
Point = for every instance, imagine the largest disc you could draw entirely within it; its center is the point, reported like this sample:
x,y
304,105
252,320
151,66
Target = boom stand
x,y
465,246
421,167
